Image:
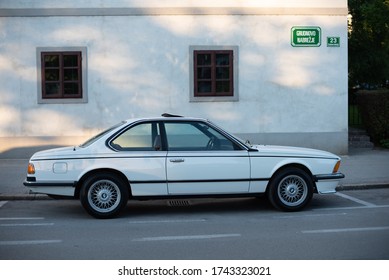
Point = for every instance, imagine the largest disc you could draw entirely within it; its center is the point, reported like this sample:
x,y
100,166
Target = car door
x,y
201,160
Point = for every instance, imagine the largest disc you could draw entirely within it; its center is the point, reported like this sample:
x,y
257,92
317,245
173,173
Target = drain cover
x,y
179,203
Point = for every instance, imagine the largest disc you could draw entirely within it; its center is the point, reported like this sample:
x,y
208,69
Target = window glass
x,y
222,59
61,75
204,59
142,137
51,60
52,89
70,74
70,60
222,86
194,136
52,75
204,87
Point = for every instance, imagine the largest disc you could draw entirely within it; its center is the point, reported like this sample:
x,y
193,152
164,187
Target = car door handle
x,y
177,160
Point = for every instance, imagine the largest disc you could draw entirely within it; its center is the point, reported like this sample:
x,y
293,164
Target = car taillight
x,y
336,167
31,169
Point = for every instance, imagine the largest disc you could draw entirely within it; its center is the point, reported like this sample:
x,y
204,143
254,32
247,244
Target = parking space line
x,y
351,208
345,230
26,225
309,215
2,203
368,204
167,221
187,237
29,242
21,218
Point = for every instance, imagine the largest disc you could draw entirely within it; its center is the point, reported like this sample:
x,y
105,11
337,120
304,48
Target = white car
x,y
177,157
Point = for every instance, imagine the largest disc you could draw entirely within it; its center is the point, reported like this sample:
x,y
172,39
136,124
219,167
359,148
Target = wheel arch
x,y
101,170
294,165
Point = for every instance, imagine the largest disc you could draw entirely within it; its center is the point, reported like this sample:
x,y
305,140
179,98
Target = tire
x,y
104,195
291,189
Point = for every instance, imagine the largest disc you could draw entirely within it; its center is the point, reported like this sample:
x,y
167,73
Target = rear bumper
x,y
54,188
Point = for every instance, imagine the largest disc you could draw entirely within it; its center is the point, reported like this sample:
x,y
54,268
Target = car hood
x,y
285,151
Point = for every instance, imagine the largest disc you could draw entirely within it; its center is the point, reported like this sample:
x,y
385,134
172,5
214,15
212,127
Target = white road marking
x,y
21,218
187,237
352,208
167,221
29,242
336,230
308,215
26,225
2,203
368,204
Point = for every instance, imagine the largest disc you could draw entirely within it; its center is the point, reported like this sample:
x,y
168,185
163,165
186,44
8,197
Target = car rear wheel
x,y
104,195
291,189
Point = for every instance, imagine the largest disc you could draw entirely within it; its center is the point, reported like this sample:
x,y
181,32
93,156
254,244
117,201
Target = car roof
x,y
166,117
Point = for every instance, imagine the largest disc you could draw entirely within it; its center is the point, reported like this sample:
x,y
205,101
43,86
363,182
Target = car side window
x,y
142,137
195,136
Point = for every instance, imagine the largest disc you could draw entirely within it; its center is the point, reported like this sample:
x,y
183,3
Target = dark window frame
x,y
213,68
62,81
84,75
235,74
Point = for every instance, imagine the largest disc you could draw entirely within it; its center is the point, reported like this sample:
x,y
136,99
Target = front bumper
x,y
327,183
333,176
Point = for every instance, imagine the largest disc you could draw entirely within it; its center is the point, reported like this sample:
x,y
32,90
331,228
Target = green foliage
x,y
368,41
354,116
385,143
374,107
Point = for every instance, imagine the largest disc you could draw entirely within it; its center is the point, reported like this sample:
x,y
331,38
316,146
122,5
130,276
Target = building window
x,y
62,75
213,73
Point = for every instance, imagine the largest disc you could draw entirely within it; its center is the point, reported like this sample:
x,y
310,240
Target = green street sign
x,y
333,41
306,36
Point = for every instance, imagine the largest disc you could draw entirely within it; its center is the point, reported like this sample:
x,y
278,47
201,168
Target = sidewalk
x,y
364,168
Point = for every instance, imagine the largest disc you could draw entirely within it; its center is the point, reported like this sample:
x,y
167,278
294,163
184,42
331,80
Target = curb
x,y
364,186
25,197
347,187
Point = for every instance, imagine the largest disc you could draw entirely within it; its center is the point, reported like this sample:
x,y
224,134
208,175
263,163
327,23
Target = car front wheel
x,y
104,195
290,189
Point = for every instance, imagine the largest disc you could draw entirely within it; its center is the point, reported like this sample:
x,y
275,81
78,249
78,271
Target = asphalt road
x,y
348,225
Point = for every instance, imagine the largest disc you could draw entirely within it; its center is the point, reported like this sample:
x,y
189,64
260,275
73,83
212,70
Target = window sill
x,y
214,99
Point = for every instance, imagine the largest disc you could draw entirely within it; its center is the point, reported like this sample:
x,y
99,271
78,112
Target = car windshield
x,y
101,134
